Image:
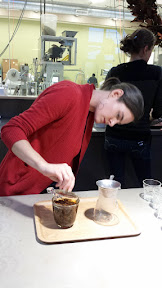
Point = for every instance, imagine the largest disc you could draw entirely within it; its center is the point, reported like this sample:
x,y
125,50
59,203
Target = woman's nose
x,y
112,122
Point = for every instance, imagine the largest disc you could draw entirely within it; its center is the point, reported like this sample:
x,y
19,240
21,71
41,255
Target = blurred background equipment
x,y
54,53
12,81
31,88
19,83
24,75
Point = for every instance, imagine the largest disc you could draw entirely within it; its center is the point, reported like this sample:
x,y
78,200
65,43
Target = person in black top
x,y
133,141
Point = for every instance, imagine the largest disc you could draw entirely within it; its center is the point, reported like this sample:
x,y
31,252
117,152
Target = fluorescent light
x,y
97,1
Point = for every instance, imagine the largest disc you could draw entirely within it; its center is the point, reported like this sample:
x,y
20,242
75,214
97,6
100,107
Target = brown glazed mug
x,y
65,206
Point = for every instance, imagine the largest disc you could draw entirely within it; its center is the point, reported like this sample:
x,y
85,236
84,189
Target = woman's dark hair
x,y
132,96
133,43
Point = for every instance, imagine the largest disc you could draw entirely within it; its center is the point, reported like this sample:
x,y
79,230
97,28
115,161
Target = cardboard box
x,y
14,63
5,64
4,75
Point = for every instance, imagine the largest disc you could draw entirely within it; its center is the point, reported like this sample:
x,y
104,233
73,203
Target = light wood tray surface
x,y
84,227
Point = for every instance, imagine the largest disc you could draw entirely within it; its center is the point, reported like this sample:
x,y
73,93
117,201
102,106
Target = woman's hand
x,y
61,174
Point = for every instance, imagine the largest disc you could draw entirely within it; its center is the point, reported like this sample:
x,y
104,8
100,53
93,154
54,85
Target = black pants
x,y
118,150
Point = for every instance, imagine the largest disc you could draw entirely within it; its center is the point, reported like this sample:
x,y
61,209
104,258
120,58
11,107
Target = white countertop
x,y
17,97
123,262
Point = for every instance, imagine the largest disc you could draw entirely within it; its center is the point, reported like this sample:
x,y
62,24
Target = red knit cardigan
x,y
58,125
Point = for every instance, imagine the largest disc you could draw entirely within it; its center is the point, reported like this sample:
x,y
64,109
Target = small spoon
x,y
61,194
51,190
111,177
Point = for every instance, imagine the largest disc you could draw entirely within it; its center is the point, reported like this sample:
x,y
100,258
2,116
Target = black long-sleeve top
x,y
148,78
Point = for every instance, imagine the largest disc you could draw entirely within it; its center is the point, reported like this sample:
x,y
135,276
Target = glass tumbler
x,y
159,206
151,189
65,206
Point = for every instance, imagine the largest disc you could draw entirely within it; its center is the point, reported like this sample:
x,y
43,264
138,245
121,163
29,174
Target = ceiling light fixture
x,y
97,1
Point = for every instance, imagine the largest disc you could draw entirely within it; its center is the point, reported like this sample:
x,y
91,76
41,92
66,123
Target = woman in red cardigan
x,y
47,142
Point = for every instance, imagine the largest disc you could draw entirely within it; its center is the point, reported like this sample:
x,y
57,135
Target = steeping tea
x,y
65,206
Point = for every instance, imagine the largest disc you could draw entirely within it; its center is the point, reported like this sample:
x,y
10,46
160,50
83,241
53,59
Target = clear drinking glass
x,y
159,207
151,189
65,206
107,205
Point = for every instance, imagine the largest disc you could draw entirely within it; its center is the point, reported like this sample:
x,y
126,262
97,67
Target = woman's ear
x,y
145,49
117,93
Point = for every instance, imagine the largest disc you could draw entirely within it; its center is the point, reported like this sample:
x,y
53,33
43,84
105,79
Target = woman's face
x,y
110,112
147,53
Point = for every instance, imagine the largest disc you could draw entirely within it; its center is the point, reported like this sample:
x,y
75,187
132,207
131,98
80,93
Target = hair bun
x,y
126,44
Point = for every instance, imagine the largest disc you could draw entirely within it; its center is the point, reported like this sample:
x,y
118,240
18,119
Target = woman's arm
x,y
52,106
60,173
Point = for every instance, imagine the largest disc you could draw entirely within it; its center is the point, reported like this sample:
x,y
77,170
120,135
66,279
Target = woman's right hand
x,y
61,174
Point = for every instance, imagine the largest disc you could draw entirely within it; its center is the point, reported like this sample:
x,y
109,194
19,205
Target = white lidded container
x,y
48,24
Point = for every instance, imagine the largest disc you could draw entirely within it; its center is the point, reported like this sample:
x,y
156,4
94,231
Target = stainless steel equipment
x,y
24,75
20,82
54,53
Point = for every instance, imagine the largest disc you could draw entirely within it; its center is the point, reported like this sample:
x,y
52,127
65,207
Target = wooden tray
x,y
84,227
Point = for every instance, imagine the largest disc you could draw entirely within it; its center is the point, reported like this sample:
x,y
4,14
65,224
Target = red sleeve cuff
x,y
12,136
